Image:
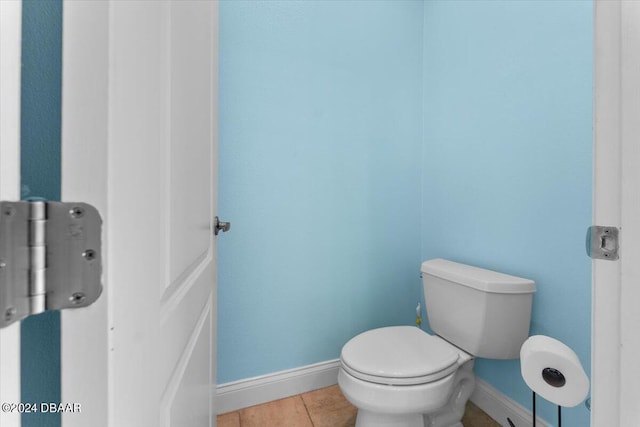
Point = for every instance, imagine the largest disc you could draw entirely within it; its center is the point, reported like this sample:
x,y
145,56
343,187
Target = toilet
x,y
401,376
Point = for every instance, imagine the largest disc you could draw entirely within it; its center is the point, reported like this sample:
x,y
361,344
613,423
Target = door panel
x,y
184,391
191,111
156,192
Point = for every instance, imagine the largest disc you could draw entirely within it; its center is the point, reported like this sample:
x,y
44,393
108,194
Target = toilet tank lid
x,y
478,278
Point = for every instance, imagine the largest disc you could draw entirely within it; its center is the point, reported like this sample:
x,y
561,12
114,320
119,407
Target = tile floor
x,y
325,407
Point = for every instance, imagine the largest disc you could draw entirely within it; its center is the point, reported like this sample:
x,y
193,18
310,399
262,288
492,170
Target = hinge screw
x,y
89,254
77,298
9,313
76,212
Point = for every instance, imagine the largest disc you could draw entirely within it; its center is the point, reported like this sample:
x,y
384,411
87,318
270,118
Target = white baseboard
x,y
254,391
500,407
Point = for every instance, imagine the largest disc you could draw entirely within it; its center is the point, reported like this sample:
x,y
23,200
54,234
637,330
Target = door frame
x,y
10,78
615,202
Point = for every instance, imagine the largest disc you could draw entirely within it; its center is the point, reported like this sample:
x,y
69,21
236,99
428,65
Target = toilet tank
x,y
483,312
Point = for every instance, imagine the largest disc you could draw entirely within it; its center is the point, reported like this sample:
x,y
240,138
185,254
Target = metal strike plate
x,y
602,242
50,257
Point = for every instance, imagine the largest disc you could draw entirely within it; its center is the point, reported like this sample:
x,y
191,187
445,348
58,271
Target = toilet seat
x,y
399,355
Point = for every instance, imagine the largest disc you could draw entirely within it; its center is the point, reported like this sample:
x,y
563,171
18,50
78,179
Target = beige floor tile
x,y
329,408
475,417
289,412
326,407
230,419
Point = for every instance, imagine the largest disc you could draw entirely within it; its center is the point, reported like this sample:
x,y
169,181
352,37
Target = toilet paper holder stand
x,y
534,411
587,404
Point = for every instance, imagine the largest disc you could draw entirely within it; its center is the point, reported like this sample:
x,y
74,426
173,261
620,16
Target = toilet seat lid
x,y
398,355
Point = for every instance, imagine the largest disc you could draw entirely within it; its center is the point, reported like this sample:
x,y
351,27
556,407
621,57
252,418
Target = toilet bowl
x,y
396,375
402,376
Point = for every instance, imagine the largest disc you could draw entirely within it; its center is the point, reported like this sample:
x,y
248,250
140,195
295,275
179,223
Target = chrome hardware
x,y
219,226
50,257
602,242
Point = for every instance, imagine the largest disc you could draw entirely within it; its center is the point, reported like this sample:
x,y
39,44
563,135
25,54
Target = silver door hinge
x,y
602,242
50,257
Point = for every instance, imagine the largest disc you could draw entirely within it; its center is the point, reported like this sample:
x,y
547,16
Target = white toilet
x,y
400,376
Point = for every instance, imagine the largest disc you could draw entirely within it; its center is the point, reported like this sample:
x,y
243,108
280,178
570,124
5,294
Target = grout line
x,y
239,418
306,409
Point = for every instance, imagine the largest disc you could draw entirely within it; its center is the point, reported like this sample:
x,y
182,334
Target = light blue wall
x,y
320,139
506,169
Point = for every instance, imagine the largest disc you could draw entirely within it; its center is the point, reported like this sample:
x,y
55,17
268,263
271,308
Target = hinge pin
x,y
37,256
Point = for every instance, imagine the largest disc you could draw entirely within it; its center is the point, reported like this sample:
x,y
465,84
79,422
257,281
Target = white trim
x,y
605,331
630,214
10,61
500,407
278,385
615,318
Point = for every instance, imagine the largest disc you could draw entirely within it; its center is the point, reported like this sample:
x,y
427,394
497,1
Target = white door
x,y
139,108
616,284
10,50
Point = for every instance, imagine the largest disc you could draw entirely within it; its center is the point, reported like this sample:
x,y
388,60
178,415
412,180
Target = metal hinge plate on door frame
x,y
602,242
50,257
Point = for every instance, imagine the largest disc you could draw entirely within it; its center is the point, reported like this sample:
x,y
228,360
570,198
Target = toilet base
x,y
445,414
372,419
451,414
